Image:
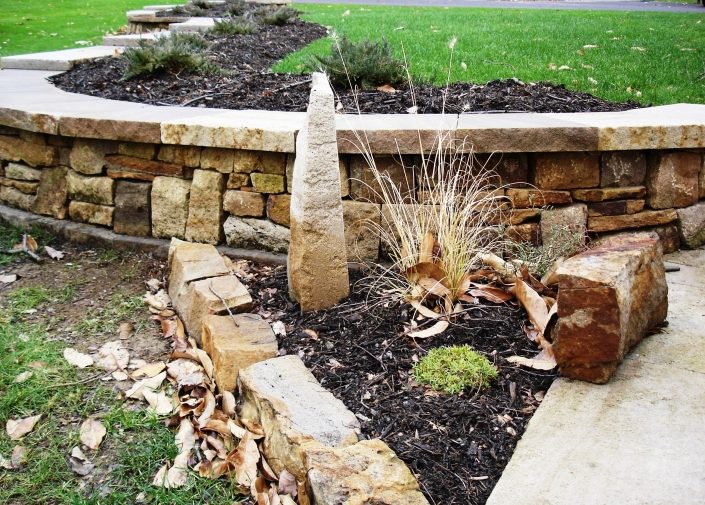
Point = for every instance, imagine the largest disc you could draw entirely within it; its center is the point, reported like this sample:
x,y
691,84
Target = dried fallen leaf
x,y
173,477
8,278
149,370
545,360
157,301
18,428
534,305
279,329
153,285
126,330
18,458
119,375
23,376
92,433
31,243
386,88
490,293
160,402
244,460
311,333
76,358
113,356
436,329
54,254
186,437
287,483
79,463
423,310
152,384
228,403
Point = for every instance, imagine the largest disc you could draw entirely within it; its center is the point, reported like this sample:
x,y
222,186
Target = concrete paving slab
x,y
150,16
637,440
193,25
57,60
134,39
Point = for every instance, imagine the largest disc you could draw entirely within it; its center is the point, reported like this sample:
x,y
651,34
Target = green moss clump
x,y
452,369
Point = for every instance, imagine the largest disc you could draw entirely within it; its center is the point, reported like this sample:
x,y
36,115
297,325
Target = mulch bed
x,y
247,84
457,445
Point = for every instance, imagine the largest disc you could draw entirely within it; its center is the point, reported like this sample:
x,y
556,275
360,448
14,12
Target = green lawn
x,y
38,25
659,55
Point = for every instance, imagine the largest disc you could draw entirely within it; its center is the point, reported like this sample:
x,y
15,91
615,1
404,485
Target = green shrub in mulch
x,y
235,26
181,52
453,369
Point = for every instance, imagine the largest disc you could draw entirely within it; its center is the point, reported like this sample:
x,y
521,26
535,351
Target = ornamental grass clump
x,y
236,26
278,17
562,242
366,64
178,53
236,7
454,369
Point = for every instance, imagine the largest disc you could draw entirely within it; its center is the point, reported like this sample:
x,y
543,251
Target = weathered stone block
x,y
267,183
130,167
244,203
366,472
364,186
214,295
669,236
566,170
237,181
261,234
623,168
294,410
56,140
22,172
188,156
615,207
701,179
33,137
691,225
672,179
527,232
342,166
169,206
88,156
219,159
234,343
527,198
205,212
16,198
190,262
638,220
137,150
52,193
98,190
572,219
511,168
132,208
29,187
278,209
512,216
608,298
92,213
362,221
17,149
259,161
605,194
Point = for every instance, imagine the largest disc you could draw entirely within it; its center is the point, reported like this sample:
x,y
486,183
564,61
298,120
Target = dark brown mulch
x,y
247,84
457,445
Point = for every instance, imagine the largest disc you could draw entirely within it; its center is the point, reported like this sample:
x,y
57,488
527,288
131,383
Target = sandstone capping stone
x,y
52,193
267,183
22,172
603,194
97,190
317,262
246,161
180,155
132,208
214,295
205,213
284,397
244,203
234,343
608,297
137,150
142,168
566,170
572,219
691,225
366,472
28,187
92,213
88,156
638,220
623,168
278,209
16,198
672,179
250,233
526,198
170,201
362,240
364,187
222,160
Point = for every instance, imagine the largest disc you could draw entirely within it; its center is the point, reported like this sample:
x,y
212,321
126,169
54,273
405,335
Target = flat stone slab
x,y
635,441
133,40
165,7
193,25
57,60
150,16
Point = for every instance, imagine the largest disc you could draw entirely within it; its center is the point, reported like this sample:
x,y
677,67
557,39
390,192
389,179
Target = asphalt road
x,y
597,5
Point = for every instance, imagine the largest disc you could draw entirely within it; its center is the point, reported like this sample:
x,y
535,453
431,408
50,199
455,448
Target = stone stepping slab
x,y
57,60
133,40
193,25
150,16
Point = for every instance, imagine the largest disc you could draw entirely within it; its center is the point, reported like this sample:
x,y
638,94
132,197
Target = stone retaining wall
x,y
241,197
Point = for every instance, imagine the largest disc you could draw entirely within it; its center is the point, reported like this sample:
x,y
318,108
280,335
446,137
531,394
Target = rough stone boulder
x,y
191,262
294,411
608,298
365,473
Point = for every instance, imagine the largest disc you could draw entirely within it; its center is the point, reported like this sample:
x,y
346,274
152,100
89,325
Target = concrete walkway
x,y
595,5
638,440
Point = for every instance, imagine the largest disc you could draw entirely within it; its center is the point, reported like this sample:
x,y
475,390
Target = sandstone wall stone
x,y
27,187
97,190
36,155
267,183
638,220
278,209
245,161
137,150
132,208
249,233
237,181
92,213
52,193
615,207
691,225
527,198
244,203
130,167
88,155
566,170
22,172
606,194
170,202
572,219
16,198
205,213
623,168
217,158
188,156
364,187
362,221
512,168
672,179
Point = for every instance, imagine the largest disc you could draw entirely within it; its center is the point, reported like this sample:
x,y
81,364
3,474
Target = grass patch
x,y
659,55
106,319
453,369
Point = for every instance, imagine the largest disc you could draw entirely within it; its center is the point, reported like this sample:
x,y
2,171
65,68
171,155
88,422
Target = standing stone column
x,y
317,264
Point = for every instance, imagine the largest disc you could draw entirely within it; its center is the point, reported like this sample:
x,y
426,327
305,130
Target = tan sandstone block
x,y
137,150
701,179
267,183
85,212
234,343
188,156
25,186
170,198
364,187
638,220
572,219
691,225
342,166
130,167
244,203
566,170
220,159
205,213
672,179
88,155
190,262
623,168
16,198
17,149
245,161
615,207
22,172
97,190
362,220
52,193
604,194
237,181
527,198
278,209
258,234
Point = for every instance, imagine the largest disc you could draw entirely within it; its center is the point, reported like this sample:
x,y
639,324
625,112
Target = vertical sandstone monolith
x,y
317,264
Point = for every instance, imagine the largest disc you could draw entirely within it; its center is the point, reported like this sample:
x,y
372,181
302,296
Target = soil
x,y
457,445
246,83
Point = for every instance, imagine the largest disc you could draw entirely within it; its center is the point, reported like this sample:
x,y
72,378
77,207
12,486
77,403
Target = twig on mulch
x,y
23,249
222,300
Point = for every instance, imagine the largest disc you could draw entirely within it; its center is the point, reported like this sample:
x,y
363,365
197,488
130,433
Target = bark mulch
x,y
457,445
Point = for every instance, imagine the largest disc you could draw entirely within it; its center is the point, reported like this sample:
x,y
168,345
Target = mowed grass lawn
x,y
43,25
652,57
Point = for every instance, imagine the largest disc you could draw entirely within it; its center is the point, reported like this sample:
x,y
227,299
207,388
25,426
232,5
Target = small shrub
x,y
364,63
453,369
238,26
177,53
563,243
201,4
236,8
278,17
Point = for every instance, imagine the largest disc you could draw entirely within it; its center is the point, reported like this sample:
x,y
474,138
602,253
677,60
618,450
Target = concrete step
x,y
133,40
150,16
193,25
58,60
